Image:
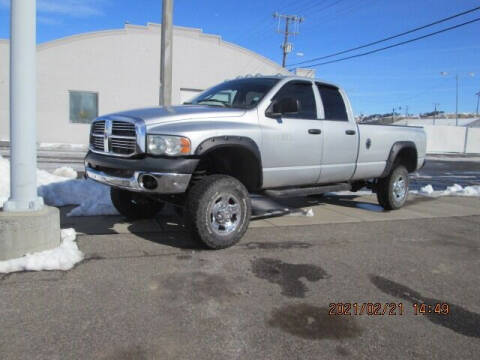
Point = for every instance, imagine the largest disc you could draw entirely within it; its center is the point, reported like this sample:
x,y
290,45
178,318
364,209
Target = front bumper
x,y
130,174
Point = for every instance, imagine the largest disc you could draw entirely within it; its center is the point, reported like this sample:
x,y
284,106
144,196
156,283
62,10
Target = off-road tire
x,y
385,189
134,206
201,200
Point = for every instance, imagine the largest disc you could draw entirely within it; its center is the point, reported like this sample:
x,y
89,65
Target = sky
x,y
409,75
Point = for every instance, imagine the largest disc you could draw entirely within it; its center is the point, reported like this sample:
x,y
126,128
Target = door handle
x,y
350,132
314,131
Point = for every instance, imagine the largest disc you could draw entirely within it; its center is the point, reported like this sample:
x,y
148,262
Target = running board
x,y
304,191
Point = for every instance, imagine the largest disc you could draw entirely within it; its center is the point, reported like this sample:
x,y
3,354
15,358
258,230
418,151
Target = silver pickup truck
x,y
280,136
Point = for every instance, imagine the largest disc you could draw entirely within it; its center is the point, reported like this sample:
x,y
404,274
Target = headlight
x,y
168,145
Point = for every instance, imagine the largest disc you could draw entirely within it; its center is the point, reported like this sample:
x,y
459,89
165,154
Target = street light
x,y
444,73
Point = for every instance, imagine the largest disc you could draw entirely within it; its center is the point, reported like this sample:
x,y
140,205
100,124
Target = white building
x,y
82,76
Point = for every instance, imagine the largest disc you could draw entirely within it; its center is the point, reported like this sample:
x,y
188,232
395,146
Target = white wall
x,y
123,67
442,139
473,141
4,89
452,139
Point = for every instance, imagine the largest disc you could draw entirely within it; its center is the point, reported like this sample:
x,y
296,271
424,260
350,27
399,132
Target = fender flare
x,y
394,151
218,142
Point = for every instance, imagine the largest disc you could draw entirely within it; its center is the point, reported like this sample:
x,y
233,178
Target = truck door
x,y
292,143
340,141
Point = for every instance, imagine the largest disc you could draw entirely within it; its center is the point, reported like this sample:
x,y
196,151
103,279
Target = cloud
x,y
71,8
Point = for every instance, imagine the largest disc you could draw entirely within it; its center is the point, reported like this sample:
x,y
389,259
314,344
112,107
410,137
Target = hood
x,y
161,114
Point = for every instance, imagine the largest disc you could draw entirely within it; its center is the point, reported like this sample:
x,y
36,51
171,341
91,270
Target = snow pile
x,y
301,212
426,190
454,190
63,257
66,172
62,188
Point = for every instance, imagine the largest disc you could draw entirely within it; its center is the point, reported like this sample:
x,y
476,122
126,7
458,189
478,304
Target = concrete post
x,y
23,170
26,225
166,55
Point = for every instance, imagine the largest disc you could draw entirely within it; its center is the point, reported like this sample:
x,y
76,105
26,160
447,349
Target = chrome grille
x,y
96,136
114,137
97,143
98,127
123,146
123,128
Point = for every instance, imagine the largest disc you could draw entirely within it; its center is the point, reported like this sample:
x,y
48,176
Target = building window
x,y
83,106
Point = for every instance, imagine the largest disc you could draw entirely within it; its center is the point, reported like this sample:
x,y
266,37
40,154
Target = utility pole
x,y
444,73
287,47
478,100
166,54
406,111
456,100
435,112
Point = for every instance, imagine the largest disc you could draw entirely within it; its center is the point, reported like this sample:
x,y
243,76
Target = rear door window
x,y
333,104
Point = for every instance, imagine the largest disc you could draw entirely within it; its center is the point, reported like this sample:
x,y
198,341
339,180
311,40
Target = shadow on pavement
x,y
167,230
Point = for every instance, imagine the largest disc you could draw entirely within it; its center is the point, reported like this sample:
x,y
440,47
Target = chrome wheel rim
x,y
225,214
399,188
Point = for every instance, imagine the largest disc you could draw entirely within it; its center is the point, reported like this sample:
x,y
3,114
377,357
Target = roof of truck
x,y
282,76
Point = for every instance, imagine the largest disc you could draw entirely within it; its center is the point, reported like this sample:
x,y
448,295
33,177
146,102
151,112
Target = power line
x,y
394,45
388,38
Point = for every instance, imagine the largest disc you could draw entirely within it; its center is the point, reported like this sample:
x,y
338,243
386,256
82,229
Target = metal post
x,y
478,100
23,170
166,54
456,101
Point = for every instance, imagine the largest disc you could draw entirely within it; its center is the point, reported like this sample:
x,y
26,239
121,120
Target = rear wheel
x,y
392,191
218,211
134,205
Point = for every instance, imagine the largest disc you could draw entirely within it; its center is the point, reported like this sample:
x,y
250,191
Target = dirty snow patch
x,y
62,188
63,257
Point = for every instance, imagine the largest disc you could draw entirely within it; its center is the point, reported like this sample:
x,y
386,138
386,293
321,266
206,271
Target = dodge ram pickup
x,y
276,135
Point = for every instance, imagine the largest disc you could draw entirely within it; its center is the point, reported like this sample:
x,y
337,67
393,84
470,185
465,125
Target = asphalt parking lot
x,y
296,287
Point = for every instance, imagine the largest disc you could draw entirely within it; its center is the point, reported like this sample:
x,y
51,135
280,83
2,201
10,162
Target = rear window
x,y
333,103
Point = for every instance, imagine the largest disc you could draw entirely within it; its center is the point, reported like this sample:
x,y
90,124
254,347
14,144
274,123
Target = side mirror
x,y
284,106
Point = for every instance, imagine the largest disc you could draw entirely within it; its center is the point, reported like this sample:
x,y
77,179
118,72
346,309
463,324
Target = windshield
x,y
240,93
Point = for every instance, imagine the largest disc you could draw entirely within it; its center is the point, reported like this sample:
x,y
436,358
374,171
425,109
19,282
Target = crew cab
x,y
276,135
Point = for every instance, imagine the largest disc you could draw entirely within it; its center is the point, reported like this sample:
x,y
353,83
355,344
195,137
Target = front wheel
x,y
392,191
134,205
218,211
